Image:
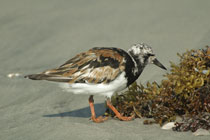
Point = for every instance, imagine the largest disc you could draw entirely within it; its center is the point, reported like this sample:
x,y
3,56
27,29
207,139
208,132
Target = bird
x,y
101,71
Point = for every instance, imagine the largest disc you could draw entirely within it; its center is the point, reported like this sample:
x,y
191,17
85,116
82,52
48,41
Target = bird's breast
x,y
106,89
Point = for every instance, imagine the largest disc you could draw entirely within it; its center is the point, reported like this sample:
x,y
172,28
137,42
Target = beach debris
x,y
184,92
193,123
168,126
13,75
201,132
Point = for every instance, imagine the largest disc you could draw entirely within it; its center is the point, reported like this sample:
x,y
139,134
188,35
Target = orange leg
x,y
93,115
109,104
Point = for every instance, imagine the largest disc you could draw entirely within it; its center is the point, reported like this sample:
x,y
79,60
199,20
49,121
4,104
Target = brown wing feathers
x,y
98,65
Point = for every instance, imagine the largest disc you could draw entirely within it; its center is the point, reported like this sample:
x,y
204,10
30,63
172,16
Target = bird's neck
x,y
140,63
136,69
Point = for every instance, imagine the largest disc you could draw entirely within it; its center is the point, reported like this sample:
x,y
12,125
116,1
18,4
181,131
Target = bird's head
x,y
143,55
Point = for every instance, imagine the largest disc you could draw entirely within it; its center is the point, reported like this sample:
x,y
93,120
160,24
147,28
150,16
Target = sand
x,y
36,35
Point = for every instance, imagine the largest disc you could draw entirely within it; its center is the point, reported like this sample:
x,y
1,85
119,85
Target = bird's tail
x,y
36,76
43,76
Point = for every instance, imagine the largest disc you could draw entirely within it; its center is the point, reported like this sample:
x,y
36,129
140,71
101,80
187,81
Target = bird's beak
x,y
157,63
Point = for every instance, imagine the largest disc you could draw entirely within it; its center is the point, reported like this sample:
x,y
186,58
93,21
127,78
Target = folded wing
x,y
98,65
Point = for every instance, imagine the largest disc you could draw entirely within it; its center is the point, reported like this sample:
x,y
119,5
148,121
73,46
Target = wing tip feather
x,y
35,76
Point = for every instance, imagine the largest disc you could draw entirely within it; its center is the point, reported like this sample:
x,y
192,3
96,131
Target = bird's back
x,y
98,65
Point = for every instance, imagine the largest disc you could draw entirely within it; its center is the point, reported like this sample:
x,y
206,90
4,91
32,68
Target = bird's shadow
x,y
83,112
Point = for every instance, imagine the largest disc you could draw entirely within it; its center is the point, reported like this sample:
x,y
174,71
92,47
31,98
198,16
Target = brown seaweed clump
x,y
193,123
185,91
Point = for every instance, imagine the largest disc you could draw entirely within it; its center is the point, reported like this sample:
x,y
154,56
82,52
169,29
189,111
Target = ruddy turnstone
x,y
101,71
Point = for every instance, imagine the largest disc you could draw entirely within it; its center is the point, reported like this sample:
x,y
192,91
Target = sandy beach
x,y
36,35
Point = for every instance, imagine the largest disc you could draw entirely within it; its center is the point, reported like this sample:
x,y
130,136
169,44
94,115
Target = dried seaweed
x,y
185,91
193,123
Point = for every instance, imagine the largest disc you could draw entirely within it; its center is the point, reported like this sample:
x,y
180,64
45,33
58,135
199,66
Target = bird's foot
x,y
118,115
123,118
99,119
93,115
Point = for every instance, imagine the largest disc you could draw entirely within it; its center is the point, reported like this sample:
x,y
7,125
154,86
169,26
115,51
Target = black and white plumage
x,y
101,71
